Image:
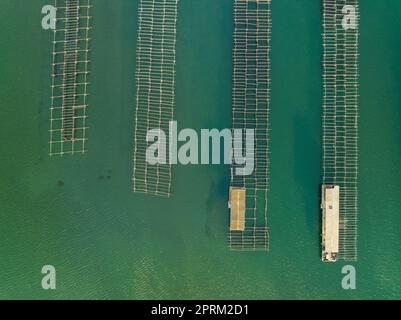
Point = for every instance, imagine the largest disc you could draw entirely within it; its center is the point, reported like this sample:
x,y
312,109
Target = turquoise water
x,y
79,215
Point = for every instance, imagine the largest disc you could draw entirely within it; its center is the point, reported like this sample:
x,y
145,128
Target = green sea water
x,y
78,213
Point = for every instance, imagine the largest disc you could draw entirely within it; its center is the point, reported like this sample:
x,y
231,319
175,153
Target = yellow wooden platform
x,y
237,205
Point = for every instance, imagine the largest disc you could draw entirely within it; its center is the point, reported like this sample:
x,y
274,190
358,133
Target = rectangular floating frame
x,y
340,118
251,105
155,99
70,61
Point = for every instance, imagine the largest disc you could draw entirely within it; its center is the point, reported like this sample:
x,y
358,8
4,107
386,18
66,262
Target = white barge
x,y
330,222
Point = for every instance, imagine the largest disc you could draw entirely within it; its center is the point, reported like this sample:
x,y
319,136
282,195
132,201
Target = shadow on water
x,y
306,171
217,212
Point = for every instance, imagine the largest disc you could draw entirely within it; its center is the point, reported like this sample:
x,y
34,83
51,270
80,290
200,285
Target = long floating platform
x,y
70,72
340,125
251,105
155,99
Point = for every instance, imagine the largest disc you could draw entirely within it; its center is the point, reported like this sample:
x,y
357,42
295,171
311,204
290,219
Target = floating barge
x,y
237,207
331,222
